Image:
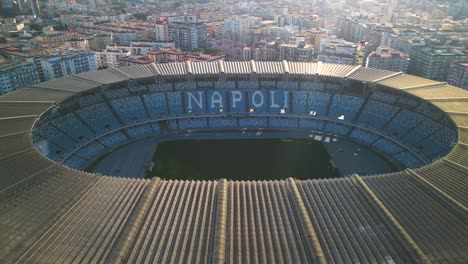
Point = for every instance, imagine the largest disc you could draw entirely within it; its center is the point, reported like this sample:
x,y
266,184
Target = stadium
x,y
54,212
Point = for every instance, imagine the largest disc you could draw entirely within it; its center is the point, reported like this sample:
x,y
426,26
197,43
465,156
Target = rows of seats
x,y
403,122
312,124
282,122
48,131
172,124
336,128
140,131
376,114
300,102
363,136
185,86
408,102
99,117
408,159
193,123
72,126
87,100
383,97
312,86
113,139
205,85
439,143
345,105
254,122
160,87
48,148
129,108
429,110
386,146
90,150
222,85
116,93
174,101
318,102
222,122
74,162
285,85
138,88
268,84
155,103
424,129
155,127
247,85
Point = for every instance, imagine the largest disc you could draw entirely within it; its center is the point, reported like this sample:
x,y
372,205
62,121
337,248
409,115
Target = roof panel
x,y
237,67
443,91
402,81
36,94
369,74
103,76
269,67
16,125
205,67
335,70
12,109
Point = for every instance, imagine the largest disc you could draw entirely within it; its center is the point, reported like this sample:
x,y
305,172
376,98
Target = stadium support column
x,y
310,235
119,253
219,255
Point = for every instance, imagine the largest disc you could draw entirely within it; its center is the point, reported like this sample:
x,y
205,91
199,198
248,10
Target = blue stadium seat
x,y
99,117
113,139
282,122
309,123
345,105
156,104
90,150
72,126
140,131
376,114
318,102
129,109
254,122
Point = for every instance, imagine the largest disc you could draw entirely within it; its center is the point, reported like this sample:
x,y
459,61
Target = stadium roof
x,y
50,213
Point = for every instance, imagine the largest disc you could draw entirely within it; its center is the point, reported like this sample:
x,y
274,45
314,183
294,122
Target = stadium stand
x,y
129,109
376,114
98,117
53,214
345,105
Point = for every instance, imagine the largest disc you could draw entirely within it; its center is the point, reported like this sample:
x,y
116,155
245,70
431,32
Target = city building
x,y
333,50
276,51
161,30
363,50
67,63
109,58
433,63
188,35
16,75
176,55
388,59
459,75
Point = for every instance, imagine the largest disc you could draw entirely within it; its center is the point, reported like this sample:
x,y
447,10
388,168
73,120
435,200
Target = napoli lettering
x,y
262,100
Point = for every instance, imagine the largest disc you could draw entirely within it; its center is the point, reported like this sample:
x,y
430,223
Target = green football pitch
x,y
241,159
